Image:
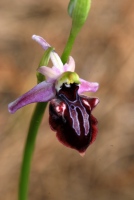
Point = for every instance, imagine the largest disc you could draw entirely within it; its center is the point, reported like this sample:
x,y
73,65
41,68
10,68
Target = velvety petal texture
x,y
40,93
70,116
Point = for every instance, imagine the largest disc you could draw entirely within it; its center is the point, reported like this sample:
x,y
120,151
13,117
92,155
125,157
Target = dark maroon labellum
x,y
70,116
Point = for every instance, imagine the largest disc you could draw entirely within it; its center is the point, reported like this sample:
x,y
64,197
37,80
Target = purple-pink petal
x,y
41,41
56,61
86,86
70,66
40,93
48,72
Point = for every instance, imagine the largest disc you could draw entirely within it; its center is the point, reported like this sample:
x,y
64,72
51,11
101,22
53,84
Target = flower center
x,y
67,78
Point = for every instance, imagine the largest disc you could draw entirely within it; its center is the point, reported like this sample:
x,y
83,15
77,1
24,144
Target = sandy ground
x,y
104,52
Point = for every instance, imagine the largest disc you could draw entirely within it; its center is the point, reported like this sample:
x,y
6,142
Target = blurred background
x,y
104,52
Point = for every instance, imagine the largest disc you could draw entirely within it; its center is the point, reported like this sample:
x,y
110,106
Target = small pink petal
x,y
41,41
86,86
40,93
56,61
48,72
70,66
56,70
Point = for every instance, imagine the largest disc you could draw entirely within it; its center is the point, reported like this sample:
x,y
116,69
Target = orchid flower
x,y
69,111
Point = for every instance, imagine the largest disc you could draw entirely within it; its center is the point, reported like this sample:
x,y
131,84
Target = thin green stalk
x,y
68,47
35,123
78,10
31,137
29,149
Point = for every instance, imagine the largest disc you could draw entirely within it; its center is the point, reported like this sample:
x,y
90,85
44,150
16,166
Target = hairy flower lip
x,y
70,117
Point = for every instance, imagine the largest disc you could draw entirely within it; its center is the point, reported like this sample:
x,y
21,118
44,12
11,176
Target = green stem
x,y
36,119
32,133
69,45
29,148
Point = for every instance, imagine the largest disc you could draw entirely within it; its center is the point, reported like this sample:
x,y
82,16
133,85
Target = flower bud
x,y
78,10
